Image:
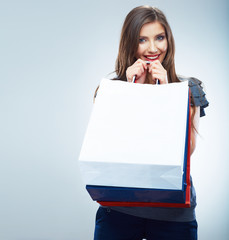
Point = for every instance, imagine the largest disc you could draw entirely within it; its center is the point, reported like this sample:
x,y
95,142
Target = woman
x,y
146,53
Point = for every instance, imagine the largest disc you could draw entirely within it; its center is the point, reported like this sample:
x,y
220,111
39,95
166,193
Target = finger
x,y
157,76
140,61
156,64
137,70
157,71
140,72
153,66
161,78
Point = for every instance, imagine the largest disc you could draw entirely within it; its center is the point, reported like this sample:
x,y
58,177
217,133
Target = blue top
x,y
198,95
174,214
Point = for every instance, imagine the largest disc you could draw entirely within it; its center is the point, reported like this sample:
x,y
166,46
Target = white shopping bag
x,y
136,136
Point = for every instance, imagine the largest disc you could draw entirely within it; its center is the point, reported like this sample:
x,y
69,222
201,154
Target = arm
x,y
194,130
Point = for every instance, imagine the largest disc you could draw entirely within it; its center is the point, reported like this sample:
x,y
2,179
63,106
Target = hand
x,y
157,71
139,68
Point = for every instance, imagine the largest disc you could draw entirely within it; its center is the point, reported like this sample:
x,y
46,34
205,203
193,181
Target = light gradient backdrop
x,y
52,57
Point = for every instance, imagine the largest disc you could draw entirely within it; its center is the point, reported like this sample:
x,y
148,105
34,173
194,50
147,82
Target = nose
x,y
152,47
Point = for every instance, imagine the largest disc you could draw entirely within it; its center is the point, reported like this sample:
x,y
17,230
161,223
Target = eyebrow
x,y
155,36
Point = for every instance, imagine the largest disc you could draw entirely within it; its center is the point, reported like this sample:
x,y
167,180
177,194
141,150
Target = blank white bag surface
x,y
140,129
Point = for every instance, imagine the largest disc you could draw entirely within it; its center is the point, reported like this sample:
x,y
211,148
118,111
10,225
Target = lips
x,y
151,57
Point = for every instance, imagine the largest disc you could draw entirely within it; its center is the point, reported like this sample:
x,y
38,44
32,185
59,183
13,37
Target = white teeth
x,y
152,57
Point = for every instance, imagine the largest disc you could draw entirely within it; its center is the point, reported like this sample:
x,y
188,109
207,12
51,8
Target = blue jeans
x,y
114,225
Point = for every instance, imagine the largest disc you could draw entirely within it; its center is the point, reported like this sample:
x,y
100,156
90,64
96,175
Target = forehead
x,y
152,29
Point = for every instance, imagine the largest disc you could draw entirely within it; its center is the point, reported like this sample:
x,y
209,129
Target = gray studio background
x,y
52,57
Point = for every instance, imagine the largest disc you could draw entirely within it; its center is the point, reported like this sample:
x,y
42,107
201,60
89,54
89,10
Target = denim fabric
x,y
113,225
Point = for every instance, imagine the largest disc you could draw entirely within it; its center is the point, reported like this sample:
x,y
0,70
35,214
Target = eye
x,y
142,40
161,37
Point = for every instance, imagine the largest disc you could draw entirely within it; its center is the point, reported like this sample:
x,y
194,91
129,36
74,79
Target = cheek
x,y
163,46
141,48
139,51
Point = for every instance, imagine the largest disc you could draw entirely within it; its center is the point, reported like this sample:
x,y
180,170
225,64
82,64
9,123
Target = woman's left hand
x,y
157,71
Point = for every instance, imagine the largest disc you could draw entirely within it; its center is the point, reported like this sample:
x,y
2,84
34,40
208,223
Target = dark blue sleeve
x,y
198,96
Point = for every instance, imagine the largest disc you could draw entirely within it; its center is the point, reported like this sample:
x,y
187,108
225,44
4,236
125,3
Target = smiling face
x,y
153,43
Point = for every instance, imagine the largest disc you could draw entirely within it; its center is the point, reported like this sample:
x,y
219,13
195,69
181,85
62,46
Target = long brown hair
x,y
129,41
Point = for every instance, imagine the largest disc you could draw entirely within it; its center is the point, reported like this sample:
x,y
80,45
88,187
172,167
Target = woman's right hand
x,y
139,68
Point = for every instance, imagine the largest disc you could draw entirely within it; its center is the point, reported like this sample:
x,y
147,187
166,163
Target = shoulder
x,y
192,81
198,95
